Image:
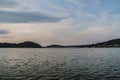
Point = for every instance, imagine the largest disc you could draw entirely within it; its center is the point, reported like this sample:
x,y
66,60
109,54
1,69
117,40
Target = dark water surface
x,y
60,64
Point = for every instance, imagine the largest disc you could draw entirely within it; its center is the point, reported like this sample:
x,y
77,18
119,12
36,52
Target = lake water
x,y
60,64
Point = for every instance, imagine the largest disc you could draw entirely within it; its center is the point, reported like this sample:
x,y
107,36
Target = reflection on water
x,y
60,64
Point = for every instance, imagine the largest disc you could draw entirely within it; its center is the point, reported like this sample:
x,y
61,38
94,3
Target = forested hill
x,y
27,44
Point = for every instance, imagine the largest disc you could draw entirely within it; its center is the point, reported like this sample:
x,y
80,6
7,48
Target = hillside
x,y
27,44
110,43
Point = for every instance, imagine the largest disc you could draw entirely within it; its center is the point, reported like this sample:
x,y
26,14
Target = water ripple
x,y
60,64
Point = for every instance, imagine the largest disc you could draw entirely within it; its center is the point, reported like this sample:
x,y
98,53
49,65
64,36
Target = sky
x,y
65,22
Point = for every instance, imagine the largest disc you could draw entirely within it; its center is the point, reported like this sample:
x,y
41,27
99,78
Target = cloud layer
x,y
4,32
59,21
7,3
25,17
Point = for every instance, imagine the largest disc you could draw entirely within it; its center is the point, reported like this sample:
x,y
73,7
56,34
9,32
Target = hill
x,y
110,43
27,44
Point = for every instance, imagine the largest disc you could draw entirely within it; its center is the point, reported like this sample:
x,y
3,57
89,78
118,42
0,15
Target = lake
x,y
60,64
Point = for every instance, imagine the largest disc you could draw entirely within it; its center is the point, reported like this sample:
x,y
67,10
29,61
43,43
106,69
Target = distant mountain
x,y
110,43
61,46
27,44
55,46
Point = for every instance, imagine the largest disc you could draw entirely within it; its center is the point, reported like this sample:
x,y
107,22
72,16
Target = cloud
x,y
60,33
87,22
7,3
76,2
26,17
4,32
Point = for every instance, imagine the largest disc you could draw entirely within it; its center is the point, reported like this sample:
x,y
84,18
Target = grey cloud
x,y
4,32
8,3
6,37
26,17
